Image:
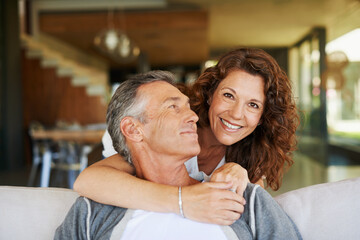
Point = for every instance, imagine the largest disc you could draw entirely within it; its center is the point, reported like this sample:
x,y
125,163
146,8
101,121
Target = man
x,y
152,126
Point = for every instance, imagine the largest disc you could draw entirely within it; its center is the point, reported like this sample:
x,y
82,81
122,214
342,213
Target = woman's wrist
x,y
170,199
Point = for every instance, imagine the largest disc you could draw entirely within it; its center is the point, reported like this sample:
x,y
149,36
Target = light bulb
x,y
124,46
111,40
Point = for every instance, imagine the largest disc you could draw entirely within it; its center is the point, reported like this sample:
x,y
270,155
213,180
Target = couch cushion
x,y
33,213
325,211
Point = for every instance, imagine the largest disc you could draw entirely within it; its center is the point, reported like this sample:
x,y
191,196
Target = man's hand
x,y
232,172
212,202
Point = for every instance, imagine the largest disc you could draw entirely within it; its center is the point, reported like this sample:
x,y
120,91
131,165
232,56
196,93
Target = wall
x,y
11,129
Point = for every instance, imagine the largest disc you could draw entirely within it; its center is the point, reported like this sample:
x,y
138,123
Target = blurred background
x,y
61,59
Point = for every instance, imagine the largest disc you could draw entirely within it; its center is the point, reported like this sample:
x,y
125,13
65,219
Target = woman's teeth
x,y
229,125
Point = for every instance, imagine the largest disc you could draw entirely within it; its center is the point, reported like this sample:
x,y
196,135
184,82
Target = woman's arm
x,y
111,182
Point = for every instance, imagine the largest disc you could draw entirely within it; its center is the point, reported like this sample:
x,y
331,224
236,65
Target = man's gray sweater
x,y
262,218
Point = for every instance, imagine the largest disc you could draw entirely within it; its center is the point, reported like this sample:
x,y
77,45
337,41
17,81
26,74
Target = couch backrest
x,y
325,211
33,213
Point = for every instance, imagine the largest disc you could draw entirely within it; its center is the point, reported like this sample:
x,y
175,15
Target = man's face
x,y
170,127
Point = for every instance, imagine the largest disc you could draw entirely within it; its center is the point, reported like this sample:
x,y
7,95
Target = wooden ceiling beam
x,y
167,37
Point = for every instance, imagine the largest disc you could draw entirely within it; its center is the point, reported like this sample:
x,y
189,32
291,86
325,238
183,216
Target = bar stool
x,y
61,155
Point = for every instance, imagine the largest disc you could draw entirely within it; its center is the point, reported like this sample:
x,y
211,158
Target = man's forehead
x,y
160,91
155,85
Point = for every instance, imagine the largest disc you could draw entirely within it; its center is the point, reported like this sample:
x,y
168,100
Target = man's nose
x,y
191,116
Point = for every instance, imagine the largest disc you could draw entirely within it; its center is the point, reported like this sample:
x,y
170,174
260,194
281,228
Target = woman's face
x,y
236,106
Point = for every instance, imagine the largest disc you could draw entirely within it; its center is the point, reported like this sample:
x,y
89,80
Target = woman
x,y
247,117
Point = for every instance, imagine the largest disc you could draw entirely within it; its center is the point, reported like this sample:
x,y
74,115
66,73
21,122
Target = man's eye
x,y
228,95
173,106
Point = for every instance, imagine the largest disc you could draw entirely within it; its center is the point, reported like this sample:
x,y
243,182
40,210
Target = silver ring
x,y
233,190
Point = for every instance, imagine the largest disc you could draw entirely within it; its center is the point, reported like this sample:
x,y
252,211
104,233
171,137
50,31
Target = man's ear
x,y
129,126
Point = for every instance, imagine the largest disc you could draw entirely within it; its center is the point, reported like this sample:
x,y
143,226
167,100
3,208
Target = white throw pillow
x,y
325,211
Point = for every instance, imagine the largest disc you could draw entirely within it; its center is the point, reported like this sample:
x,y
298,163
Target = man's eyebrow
x,y
175,99
171,99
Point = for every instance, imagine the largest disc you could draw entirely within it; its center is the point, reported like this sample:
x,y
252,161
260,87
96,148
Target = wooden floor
x,y
307,171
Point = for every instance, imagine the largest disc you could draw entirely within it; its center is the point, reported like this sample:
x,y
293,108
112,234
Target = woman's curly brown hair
x,y
268,150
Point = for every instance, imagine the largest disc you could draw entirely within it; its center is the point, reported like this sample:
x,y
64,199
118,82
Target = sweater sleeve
x,y
270,220
75,223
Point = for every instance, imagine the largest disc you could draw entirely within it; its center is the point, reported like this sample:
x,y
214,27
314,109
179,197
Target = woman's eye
x,y
254,105
228,95
173,106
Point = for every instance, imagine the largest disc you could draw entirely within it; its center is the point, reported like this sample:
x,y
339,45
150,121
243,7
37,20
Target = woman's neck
x,y
212,151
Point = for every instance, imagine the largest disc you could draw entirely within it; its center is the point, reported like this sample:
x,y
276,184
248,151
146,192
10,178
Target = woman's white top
x,y
193,169
108,145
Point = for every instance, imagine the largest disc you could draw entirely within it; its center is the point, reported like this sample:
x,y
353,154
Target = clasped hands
x,y
212,202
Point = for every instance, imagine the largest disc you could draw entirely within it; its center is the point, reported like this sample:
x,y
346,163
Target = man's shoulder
x,y
85,207
256,190
99,219
95,207
251,189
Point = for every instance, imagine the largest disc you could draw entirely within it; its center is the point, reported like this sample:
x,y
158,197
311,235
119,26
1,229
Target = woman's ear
x,y
129,127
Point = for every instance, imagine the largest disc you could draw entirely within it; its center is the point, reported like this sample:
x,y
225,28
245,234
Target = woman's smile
x,y
230,125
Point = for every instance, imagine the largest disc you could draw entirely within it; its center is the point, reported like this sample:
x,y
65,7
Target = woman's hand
x,y
232,172
212,202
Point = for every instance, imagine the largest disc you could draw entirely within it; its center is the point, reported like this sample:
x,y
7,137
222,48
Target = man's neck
x,y
162,169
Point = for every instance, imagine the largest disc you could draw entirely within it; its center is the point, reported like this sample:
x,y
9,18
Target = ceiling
x,y
186,32
167,37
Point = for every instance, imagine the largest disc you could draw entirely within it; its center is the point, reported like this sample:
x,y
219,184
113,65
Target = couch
x,y
323,211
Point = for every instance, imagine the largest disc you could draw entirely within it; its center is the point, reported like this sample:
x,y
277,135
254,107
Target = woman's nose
x,y
237,111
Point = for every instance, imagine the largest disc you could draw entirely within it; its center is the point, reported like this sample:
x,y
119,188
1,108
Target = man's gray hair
x,y
127,103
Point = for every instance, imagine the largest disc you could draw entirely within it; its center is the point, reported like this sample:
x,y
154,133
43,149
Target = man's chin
x,y
194,151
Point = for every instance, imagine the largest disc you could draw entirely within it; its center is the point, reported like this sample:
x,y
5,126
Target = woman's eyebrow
x,y
256,100
229,88
233,91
